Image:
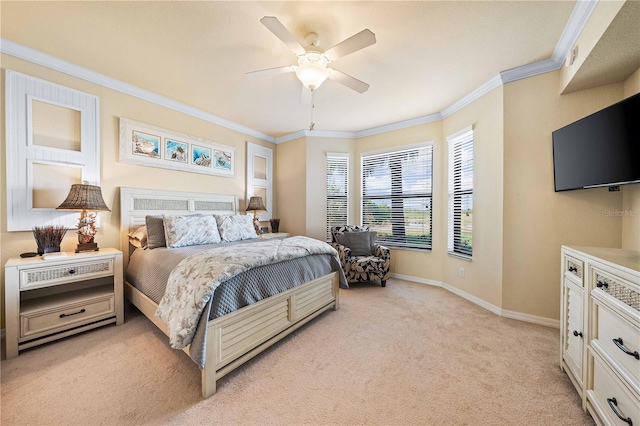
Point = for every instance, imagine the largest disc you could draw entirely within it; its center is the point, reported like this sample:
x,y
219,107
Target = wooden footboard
x,y
237,337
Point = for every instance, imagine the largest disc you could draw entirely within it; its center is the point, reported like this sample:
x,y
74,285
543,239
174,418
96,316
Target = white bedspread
x,y
192,283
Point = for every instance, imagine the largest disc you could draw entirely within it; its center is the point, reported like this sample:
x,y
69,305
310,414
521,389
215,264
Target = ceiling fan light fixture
x,y
312,70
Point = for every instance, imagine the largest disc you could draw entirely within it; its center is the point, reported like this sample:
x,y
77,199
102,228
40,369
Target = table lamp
x,y
84,197
256,205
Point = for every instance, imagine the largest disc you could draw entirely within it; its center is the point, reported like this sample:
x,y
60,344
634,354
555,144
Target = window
x,y
396,196
337,191
460,241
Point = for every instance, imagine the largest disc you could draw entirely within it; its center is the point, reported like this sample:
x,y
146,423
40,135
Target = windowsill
x,y
460,256
405,248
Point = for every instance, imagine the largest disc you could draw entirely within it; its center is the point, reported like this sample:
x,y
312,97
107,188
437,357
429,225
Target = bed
x,y
235,337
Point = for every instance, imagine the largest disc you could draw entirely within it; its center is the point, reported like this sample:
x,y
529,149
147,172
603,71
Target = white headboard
x,y
136,203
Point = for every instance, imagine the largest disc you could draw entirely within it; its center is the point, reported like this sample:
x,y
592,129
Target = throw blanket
x,y
192,283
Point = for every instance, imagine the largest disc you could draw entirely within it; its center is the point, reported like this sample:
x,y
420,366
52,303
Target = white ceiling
x,y
428,54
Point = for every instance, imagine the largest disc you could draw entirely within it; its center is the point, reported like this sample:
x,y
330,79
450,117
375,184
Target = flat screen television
x,y
602,149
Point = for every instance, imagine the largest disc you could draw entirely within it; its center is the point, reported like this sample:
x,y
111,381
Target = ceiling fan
x,y
312,69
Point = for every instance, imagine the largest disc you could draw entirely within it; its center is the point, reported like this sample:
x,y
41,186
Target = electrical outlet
x,y
461,272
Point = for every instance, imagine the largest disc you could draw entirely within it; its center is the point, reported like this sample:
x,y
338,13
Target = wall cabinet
x,y
600,331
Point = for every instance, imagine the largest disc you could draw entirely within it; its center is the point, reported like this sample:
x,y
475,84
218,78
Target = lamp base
x,y
87,247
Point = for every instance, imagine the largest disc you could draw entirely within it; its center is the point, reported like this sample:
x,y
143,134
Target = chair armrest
x,y
344,252
381,251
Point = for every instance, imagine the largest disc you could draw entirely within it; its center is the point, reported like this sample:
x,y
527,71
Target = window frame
x,y
456,144
400,195
343,157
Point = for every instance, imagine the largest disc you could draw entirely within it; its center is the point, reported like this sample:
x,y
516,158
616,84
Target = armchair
x,y
362,260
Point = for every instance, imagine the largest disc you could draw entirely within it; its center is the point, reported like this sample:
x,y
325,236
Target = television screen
x,y
599,150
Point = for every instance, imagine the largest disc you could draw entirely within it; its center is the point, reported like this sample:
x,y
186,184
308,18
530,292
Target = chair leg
x,y
384,283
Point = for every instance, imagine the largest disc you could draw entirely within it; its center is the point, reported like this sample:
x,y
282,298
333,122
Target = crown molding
x,y
28,54
578,19
485,88
576,23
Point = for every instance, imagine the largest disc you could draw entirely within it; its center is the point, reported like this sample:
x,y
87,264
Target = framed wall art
x,y
148,145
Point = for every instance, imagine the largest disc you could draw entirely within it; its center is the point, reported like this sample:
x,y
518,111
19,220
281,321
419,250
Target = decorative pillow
x,y
360,243
236,227
181,231
138,237
155,232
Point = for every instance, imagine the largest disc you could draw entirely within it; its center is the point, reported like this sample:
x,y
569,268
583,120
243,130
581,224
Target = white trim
x,y
485,88
28,54
473,299
459,133
530,70
519,316
396,149
534,319
417,279
576,23
255,150
400,125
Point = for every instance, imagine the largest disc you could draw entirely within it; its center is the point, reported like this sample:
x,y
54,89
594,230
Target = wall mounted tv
x,y
602,149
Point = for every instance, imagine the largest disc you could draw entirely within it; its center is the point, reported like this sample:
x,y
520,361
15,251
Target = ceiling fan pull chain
x,y
313,105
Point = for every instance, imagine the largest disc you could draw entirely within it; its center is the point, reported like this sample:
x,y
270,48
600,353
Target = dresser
x,y
60,296
600,331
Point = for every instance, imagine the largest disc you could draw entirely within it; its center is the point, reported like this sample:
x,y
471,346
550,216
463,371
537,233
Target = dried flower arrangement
x,y
48,238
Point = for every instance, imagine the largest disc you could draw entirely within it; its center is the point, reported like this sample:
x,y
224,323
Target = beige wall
x,y
115,174
420,264
600,19
290,179
537,220
483,275
316,182
631,193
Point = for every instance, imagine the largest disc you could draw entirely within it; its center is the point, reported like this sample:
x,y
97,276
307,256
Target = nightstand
x,y
54,298
276,235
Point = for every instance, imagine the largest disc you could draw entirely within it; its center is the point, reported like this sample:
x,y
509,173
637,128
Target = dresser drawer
x,y
53,275
620,339
609,396
574,267
60,313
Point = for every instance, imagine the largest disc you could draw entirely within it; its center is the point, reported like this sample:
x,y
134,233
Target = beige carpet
x,y
406,354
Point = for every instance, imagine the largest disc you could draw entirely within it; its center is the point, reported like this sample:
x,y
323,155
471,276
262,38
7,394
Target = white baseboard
x,y
547,322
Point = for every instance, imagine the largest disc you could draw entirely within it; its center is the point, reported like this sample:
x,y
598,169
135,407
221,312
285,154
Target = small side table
x,y
49,299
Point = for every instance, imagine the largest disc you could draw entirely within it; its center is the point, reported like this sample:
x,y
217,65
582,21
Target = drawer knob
x,y
620,344
613,404
81,311
72,271
601,284
577,333
573,269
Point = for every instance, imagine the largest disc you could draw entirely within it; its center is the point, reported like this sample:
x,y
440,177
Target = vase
x,y
275,225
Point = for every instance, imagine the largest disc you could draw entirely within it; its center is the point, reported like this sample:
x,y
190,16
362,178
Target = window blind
x,y
397,195
337,191
460,194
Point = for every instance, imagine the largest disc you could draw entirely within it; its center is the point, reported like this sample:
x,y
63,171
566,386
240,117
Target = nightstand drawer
x,y
38,321
53,275
574,267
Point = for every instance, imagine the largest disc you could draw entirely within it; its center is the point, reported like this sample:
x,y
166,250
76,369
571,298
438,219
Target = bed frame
x,y
237,337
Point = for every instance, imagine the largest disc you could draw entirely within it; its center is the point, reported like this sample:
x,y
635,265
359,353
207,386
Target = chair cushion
x,y
360,243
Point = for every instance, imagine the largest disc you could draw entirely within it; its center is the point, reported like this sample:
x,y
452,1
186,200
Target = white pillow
x,y
181,231
236,227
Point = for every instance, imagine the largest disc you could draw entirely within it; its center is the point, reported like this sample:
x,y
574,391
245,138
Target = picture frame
x,y
149,145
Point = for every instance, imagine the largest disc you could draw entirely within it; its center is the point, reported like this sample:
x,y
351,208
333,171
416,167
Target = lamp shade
x,y
256,204
84,197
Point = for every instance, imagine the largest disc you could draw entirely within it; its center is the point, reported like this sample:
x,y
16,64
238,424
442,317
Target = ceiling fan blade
x,y
270,71
305,99
347,80
354,43
283,34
